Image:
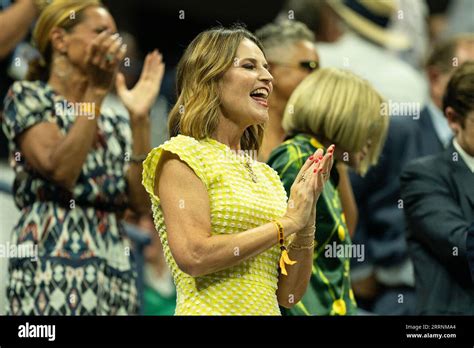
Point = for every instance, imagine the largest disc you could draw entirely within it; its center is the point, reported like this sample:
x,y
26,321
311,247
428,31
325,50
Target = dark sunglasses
x,y
310,65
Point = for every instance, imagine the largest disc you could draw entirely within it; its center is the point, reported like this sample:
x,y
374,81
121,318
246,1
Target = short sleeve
x,y
26,104
188,149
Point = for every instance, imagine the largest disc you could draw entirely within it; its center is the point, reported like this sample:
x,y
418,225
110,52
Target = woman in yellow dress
x,y
234,243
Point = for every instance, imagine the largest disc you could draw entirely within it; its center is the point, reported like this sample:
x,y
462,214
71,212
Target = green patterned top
x,y
329,291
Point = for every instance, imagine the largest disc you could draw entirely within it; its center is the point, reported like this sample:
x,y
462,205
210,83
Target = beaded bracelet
x,y
284,259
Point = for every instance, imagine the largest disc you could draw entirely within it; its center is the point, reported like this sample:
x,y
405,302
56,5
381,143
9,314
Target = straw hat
x,y
370,19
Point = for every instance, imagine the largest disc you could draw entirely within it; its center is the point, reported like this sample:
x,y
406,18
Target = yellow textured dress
x,y
241,198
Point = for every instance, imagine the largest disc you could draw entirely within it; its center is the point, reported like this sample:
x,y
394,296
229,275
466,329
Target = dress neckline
x,y
240,154
218,144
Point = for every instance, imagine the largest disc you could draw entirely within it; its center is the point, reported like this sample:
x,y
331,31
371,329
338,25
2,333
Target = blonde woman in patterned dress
x,y
73,181
220,214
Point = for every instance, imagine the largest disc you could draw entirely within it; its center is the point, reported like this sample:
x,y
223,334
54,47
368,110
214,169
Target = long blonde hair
x,y
64,14
206,59
341,107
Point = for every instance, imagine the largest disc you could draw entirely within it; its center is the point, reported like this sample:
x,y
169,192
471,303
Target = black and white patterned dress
x,y
83,264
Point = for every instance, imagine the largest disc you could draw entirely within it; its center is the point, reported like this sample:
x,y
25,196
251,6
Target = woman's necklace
x,y
245,160
241,157
253,176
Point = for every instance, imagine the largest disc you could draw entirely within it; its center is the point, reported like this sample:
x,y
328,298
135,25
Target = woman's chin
x,y
261,118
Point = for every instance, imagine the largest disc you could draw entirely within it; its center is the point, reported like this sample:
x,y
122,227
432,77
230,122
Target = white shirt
x,y
391,77
467,158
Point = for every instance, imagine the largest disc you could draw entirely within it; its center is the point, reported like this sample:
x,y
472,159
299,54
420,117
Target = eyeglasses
x,y
310,65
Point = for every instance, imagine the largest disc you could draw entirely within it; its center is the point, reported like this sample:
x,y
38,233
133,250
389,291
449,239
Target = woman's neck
x,y
72,87
228,133
274,128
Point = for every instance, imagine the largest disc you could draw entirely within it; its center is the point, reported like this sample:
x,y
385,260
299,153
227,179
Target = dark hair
x,y
460,91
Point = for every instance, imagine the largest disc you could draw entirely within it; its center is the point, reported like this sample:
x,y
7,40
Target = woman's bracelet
x,y
302,247
311,234
312,228
305,235
284,258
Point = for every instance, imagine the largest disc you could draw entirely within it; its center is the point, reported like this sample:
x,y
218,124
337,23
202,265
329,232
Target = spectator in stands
x,y
290,51
15,22
331,106
223,217
384,284
438,194
77,166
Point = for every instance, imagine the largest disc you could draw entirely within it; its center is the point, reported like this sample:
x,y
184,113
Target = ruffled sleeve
x,y
188,149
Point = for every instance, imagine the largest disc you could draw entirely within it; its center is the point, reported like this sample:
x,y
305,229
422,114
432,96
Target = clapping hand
x,y
307,188
142,96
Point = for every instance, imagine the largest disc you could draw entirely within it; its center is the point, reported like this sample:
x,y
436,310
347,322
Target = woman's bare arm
x,y
59,157
15,22
292,287
139,200
186,209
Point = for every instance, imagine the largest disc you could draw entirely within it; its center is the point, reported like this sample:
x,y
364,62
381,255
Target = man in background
x,y
291,54
384,284
438,192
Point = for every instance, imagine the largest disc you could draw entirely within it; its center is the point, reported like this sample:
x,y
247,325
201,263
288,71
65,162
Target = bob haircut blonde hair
x,y
206,59
341,107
